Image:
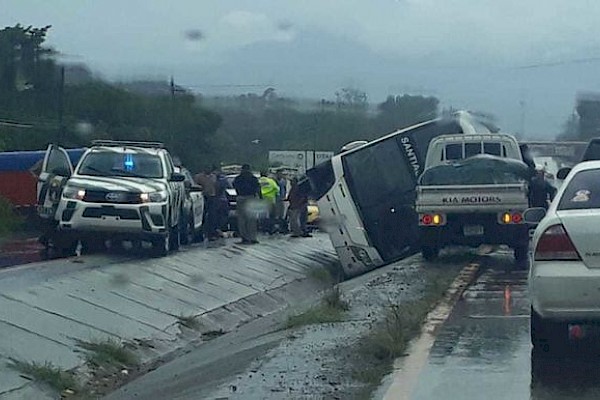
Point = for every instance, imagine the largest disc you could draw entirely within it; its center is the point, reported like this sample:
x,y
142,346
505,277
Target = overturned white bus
x,y
366,194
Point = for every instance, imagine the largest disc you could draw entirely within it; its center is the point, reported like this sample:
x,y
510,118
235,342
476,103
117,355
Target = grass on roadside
x,y
320,274
9,221
331,309
109,353
402,322
48,374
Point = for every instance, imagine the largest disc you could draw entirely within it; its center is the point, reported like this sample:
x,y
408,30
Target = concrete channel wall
x,y
47,308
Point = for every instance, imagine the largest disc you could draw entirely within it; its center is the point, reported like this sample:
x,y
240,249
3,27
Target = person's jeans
x,y
295,226
303,219
211,216
247,221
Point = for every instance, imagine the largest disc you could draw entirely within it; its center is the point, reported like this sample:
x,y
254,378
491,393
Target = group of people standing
x,y
253,194
265,195
216,205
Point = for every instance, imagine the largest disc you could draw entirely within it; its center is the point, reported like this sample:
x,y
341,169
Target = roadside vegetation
x,y
331,308
200,130
109,353
9,220
321,274
402,322
48,374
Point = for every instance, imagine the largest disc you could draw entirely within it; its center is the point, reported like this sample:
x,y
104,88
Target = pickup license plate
x,y
473,230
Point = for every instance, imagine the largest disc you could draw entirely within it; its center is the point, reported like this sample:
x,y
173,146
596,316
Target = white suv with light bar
x,y
123,190
564,279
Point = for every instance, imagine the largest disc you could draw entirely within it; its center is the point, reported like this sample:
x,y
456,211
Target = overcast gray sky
x,y
464,51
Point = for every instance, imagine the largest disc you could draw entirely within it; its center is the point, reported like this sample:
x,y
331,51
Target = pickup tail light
x,y
432,220
508,218
555,244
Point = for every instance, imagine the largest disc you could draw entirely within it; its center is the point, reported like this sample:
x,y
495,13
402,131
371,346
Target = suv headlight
x,y
154,197
73,193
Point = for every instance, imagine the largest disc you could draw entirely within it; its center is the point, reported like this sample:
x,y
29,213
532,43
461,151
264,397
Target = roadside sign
x,y
301,160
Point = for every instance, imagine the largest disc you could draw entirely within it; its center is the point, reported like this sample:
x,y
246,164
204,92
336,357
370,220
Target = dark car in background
x,y
591,153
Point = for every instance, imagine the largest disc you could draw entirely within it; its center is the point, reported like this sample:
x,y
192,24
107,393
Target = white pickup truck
x,y
473,191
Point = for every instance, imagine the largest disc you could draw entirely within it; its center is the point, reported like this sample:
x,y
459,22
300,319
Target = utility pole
x,y
522,104
172,117
61,106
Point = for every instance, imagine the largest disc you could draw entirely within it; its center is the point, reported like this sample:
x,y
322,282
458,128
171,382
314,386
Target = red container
x,y
19,188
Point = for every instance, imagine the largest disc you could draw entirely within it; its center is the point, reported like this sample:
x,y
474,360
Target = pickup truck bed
x,y
472,215
472,199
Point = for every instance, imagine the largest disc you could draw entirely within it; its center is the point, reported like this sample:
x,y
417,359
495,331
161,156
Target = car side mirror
x,y
533,216
563,172
177,177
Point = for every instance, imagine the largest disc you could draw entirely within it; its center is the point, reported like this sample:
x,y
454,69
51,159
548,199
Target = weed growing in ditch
x,y
109,353
331,309
47,373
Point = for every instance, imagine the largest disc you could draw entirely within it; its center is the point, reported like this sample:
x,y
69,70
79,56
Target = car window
x,y
592,152
582,192
110,163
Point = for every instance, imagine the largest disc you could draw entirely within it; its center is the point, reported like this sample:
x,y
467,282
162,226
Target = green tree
x,y
402,111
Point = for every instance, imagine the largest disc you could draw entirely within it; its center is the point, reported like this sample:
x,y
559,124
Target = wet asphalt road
x,y
483,350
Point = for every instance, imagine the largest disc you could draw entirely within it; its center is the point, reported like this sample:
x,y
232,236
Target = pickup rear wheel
x,y
429,252
176,233
521,253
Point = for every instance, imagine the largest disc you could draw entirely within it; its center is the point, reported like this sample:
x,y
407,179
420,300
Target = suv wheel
x,y
187,229
175,238
161,245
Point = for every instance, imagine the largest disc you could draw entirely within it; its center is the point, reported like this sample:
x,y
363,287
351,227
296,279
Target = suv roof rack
x,y
128,143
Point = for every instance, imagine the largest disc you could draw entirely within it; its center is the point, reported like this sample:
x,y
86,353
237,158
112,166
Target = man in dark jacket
x,y
298,210
248,192
541,192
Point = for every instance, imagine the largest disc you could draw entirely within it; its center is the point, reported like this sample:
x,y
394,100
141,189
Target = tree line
x,y
202,131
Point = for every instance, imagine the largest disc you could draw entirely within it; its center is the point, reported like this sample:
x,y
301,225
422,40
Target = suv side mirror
x,y
563,172
533,216
177,177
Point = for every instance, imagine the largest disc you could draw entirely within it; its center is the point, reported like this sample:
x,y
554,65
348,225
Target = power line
x,y
559,63
15,124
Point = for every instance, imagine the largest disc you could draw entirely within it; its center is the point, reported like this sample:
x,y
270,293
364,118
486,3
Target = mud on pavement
x,y
347,359
331,360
